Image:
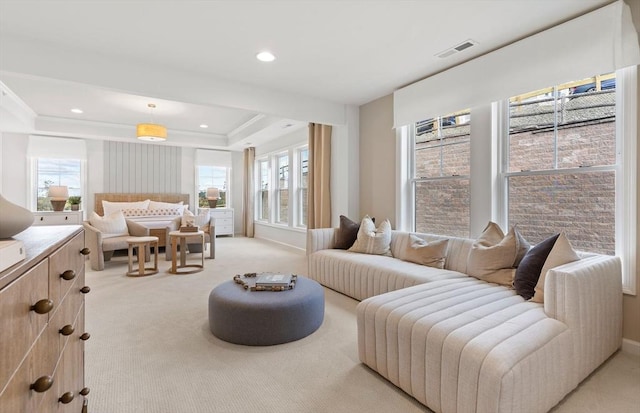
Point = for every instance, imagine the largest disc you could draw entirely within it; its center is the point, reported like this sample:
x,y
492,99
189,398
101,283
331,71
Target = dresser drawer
x,y
62,322
223,222
67,258
19,325
221,213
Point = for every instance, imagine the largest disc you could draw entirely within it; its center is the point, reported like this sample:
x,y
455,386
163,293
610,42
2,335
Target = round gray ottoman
x,y
264,318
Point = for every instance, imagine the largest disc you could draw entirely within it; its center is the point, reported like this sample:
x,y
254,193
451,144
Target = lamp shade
x,y
151,132
213,193
59,193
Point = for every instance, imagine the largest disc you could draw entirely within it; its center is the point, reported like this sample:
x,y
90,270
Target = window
x,y
212,177
281,187
562,164
303,184
560,158
282,191
48,172
441,155
263,191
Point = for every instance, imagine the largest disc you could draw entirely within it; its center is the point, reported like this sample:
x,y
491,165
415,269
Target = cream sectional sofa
x,y
459,344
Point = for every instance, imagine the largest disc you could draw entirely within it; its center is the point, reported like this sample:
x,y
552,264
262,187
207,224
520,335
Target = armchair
x,y
209,229
104,247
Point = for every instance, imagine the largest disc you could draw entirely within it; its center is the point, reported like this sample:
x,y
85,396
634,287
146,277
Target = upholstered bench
x,y
264,318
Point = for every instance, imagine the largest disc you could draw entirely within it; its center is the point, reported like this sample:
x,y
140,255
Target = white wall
x,y
15,168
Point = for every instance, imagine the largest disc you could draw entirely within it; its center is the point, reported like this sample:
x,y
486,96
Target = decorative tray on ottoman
x,y
266,281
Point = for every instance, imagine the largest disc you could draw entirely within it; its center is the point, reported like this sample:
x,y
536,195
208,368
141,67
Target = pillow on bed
x,y
113,225
167,205
110,207
162,213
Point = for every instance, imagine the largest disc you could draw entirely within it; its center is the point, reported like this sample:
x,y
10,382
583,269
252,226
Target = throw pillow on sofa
x,y
561,253
528,272
372,240
495,256
113,225
347,233
431,254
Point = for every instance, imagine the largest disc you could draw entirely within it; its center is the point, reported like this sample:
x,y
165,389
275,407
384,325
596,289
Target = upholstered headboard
x,y
118,197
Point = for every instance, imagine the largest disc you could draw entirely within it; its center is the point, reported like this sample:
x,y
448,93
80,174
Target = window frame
x,y
294,213
225,189
34,172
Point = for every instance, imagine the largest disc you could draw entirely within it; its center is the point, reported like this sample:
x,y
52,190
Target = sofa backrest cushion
x,y
456,254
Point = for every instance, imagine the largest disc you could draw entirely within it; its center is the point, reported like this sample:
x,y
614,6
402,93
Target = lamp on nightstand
x,y
213,194
58,196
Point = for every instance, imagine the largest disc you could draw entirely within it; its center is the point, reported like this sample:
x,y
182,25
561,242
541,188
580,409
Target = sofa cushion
x,y
494,256
346,234
528,272
561,253
113,225
431,254
361,276
372,240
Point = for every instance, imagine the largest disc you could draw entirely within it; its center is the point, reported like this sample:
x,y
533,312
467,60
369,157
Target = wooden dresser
x,y
42,330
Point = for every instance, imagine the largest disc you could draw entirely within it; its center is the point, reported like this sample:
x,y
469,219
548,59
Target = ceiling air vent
x,y
455,49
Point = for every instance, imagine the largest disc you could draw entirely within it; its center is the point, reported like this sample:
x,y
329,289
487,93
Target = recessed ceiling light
x,y
203,126
76,110
265,57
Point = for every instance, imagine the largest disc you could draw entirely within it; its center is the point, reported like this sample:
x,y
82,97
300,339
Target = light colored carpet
x,y
151,350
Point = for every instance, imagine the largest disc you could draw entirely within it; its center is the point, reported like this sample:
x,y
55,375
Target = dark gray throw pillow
x,y
346,234
528,272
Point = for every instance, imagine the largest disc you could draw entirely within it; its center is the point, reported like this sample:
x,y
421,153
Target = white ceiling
x,y
329,52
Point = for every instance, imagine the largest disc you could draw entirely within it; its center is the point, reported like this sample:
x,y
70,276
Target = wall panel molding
x,y
139,167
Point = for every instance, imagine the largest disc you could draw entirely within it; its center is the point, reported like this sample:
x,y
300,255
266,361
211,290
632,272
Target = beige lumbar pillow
x,y
494,256
561,253
372,240
113,225
431,254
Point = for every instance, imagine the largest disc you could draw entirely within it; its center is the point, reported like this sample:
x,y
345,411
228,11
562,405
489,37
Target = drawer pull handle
x,y
43,306
66,398
66,330
85,391
68,275
85,336
85,251
85,289
42,384
41,218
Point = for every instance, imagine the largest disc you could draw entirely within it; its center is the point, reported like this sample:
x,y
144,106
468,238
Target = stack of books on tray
x,y
188,228
275,282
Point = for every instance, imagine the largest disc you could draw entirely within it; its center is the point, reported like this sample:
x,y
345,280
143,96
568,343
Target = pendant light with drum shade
x,y
151,131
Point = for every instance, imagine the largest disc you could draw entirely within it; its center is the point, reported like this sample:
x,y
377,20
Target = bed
x,y
157,221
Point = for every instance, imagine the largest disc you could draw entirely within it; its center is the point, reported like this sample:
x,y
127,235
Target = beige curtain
x,y
248,201
319,196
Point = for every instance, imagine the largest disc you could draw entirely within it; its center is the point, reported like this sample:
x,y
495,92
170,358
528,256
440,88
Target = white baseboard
x,y
631,347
